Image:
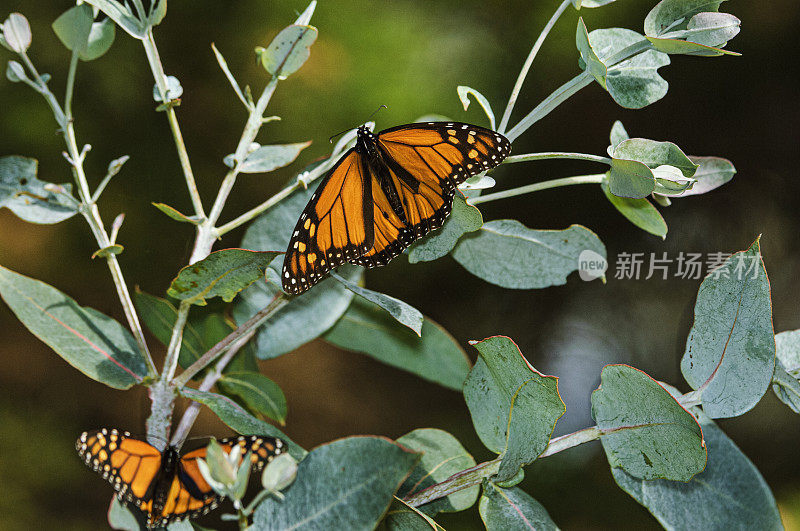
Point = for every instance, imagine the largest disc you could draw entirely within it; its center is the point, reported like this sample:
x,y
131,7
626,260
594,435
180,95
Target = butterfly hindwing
x,y
335,226
163,486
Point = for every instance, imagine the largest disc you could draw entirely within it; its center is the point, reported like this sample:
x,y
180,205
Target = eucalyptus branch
x,y
596,178
556,155
527,66
161,82
559,96
302,181
475,475
175,341
191,413
572,86
88,207
250,325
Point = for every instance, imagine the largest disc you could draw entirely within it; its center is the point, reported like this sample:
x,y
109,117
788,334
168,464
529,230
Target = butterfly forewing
x,y
335,226
408,175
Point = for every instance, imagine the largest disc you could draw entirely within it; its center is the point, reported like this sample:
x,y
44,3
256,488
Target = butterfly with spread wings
x,y
165,486
389,190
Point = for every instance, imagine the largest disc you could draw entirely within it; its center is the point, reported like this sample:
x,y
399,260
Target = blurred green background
x,y
410,56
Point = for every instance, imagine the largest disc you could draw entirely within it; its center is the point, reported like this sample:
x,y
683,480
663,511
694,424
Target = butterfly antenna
x,y
350,128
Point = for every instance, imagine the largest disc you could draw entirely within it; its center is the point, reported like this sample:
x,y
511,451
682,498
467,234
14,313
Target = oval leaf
x,y
435,356
222,274
93,343
346,484
640,212
672,15
542,258
655,154
175,214
268,158
288,51
122,15
464,218
644,429
513,406
74,26
259,393
28,197
405,314
100,39
729,494
503,509
17,33
633,83
442,456
240,420
712,172
730,351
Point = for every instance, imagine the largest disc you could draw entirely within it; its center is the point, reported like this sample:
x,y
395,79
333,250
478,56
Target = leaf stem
x,y
151,51
475,475
556,155
174,347
251,324
89,208
596,178
193,410
73,67
527,65
559,96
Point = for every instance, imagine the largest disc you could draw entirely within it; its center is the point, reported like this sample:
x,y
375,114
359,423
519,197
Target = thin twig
x,y
526,67
596,178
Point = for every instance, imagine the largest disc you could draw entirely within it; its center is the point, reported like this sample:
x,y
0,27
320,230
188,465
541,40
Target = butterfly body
x,y
391,189
164,485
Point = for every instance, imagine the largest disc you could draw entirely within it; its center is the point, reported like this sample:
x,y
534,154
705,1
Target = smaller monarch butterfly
x,y
165,486
391,189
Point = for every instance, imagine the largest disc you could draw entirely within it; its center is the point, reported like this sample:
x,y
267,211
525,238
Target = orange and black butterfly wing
x,y
335,227
130,465
189,495
424,163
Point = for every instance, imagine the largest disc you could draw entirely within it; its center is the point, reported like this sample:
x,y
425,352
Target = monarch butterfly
x,y
165,486
392,188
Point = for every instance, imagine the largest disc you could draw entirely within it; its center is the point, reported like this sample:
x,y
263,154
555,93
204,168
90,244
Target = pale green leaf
x,y
404,313
673,15
505,509
74,26
17,33
15,72
100,39
258,392
644,429
514,407
435,356
122,16
542,258
288,51
221,274
633,83
655,154
345,484
729,494
442,456
730,351
617,135
240,420
640,212
712,172
268,158
28,197
93,343
175,214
